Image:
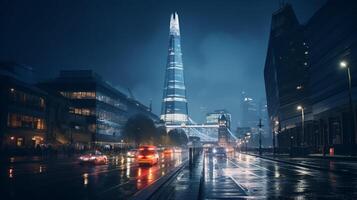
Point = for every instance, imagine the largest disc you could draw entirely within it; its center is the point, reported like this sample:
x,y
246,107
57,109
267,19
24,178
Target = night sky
x,y
224,44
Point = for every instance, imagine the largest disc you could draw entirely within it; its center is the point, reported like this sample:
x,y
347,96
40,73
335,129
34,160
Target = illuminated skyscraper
x,y
174,103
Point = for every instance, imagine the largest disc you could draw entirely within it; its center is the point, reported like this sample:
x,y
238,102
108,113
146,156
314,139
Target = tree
x,y
140,129
177,137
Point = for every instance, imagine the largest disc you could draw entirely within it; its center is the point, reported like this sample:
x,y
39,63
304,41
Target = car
x,y
93,157
209,151
147,154
177,150
220,152
132,153
168,151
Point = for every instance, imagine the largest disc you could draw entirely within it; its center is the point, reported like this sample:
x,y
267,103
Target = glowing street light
x,y
274,133
344,65
299,107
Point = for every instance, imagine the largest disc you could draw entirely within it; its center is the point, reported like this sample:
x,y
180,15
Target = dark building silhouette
x,y
302,68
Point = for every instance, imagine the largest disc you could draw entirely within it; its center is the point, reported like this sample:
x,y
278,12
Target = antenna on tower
x,y
131,96
150,106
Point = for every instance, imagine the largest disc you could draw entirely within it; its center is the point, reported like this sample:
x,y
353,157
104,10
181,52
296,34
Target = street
x,y
236,177
245,176
65,178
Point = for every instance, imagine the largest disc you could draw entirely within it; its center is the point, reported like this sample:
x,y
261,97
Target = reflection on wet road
x,y
243,176
66,179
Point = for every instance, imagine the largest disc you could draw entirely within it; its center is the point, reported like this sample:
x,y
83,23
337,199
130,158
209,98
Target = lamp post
x,y
344,65
246,138
274,135
302,123
260,125
291,145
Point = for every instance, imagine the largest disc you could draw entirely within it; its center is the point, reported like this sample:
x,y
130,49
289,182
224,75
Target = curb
x,y
334,158
150,190
345,172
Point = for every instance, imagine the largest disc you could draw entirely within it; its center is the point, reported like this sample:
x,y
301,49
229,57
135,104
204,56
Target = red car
x,y
94,157
148,155
168,151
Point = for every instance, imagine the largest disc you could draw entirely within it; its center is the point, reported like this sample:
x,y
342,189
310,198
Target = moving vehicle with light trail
x,y
220,152
168,151
132,153
93,157
147,155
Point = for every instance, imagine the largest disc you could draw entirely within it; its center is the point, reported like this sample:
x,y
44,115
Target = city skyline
x,y
93,40
188,99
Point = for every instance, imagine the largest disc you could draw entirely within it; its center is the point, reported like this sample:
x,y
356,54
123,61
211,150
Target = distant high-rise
x,y
249,112
213,117
174,103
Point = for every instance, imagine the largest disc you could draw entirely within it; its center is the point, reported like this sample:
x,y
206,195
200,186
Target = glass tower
x,y
174,103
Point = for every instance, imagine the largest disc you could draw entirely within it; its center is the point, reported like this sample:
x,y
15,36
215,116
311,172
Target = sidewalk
x,y
318,162
335,157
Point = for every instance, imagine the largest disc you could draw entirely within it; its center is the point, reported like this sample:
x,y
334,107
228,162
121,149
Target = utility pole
x,y
260,125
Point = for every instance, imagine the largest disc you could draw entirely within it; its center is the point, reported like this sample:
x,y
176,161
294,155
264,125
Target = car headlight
x,y
214,151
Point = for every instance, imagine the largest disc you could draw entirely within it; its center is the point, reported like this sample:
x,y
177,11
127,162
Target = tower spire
x,y
174,103
174,24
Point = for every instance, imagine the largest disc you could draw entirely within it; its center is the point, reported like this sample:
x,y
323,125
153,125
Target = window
x,y
25,121
26,99
79,95
82,111
20,142
111,101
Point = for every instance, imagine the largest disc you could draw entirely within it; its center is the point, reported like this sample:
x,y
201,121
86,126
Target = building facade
x,y
213,117
302,69
105,108
249,113
174,103
23,108
78,108
223,134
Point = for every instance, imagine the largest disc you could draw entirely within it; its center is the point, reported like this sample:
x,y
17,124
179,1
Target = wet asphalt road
x,y
248,177
65,178
236,177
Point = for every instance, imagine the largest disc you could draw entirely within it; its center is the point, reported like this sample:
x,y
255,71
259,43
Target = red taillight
x,y
150,156
151,148
140,156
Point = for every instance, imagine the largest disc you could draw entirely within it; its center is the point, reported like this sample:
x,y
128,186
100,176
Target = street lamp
x,y
344,65
302,122
291,145
246,138
274,134
260,125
